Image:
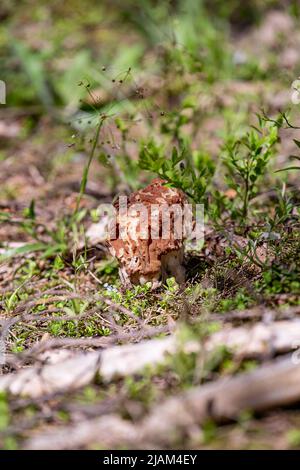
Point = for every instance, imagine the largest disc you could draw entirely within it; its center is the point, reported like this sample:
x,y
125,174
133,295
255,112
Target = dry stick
x,y
31,284
94,342
247,314
122,309
56,298
100,342
70,296
119,361
41,319
255,313
37,299
90,342
105,407
270,386
110,431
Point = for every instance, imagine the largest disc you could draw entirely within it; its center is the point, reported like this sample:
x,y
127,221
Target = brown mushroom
x,y
150,248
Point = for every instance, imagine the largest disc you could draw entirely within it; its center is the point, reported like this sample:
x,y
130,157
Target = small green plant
x,y
246,160
293,438
8,442
281,273
107,268
241,301
4,412
136,299
180,169
283,210
141,388
48,241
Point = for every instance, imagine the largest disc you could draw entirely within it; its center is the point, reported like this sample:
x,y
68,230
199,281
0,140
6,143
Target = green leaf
x,y
33,65
54,249
176,158
29,212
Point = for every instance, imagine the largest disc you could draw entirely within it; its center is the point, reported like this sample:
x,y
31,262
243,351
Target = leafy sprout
x,y
179,170
247,159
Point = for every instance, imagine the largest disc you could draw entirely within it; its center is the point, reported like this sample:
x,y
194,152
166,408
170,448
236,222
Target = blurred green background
x,y
47,47
194,71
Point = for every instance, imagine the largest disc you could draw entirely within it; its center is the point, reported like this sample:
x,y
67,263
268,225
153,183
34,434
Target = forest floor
x,y
62,307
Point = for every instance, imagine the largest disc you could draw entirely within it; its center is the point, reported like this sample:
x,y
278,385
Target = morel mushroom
x,y
148,238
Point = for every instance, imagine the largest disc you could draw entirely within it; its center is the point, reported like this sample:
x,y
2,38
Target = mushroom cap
x,y
140,256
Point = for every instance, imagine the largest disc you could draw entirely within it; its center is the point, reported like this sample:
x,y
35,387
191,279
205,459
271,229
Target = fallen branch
x,y
60,344
269,386
259,340
118,361
258,313
73,373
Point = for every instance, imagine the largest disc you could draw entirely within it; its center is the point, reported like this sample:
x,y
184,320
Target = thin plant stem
x,y
246,195
87,167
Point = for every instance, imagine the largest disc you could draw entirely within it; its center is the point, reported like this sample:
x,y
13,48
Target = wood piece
x,y
267,387
118,361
